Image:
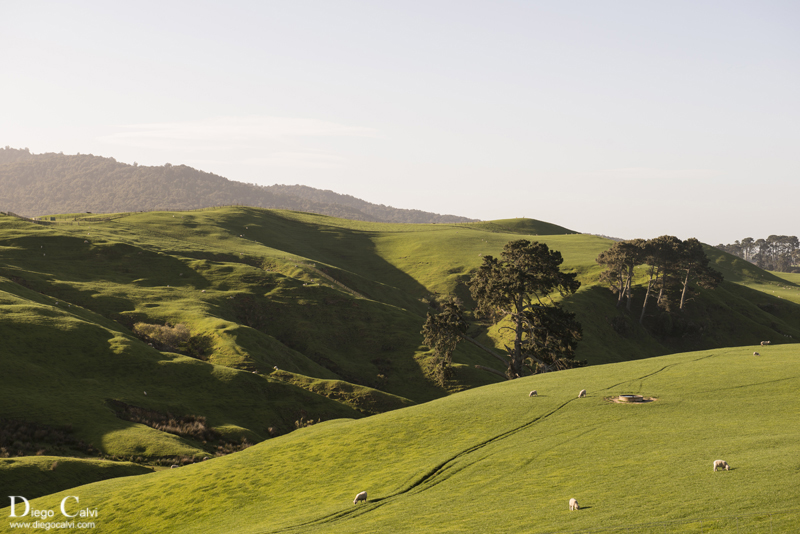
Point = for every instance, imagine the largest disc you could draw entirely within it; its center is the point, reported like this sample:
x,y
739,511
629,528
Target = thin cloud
x,y
303,160
640,173
227,133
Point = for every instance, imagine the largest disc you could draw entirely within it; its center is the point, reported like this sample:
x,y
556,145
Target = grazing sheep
x,y
756,354
582,393
360,497
573,505
533,394
174,466
721,464
764,343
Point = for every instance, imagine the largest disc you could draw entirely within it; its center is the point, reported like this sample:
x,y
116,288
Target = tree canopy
x,y
775,253
518,285
442,332
671,265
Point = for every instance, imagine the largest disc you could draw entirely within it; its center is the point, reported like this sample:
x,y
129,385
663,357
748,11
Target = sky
x,y
621,118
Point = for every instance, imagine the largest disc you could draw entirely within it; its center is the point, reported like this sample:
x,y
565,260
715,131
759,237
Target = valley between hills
x,y
275,357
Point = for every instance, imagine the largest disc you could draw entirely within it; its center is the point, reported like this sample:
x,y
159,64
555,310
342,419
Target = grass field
x,y
493,459
337,306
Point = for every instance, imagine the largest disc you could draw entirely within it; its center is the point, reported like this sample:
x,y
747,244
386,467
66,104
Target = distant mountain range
x,y
42,184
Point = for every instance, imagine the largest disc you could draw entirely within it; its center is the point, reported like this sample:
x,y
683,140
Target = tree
x,y
442,332
661,255
519,285
620,261
694,261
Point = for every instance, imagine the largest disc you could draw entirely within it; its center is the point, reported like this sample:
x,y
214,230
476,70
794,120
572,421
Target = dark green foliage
x,y
442,332
24,438
775,253
620,261
176,338
671,265
694,262
186,426
519,285
552,338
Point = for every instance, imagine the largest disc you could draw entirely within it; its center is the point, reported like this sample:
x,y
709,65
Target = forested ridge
x,y
40,184
775,253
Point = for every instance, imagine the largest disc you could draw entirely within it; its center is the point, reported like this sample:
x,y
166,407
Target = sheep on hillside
x,y
582,393
756,354
533,393
360,497
573,505
722,464
764,343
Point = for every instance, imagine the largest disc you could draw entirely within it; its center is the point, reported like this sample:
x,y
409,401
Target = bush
x,y
171,338
176,338
22,438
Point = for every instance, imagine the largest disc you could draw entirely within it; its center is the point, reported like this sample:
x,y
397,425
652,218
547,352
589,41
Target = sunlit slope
x,y
61,364
34,476
493,459
345,300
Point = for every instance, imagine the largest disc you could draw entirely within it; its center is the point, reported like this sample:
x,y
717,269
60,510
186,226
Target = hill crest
x,y
39,184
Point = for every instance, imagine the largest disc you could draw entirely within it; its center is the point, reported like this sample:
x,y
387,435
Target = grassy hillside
x,y
336,305
493,459
35,476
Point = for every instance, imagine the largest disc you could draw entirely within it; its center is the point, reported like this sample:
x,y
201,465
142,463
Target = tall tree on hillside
x,y
442,332
694,261
519,285
748,243
661,255
620,261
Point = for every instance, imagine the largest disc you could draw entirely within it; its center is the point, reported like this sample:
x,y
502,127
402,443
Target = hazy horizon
x,y
615,118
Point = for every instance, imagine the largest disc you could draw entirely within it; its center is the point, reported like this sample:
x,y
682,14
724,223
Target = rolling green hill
x,y
294,318
493,459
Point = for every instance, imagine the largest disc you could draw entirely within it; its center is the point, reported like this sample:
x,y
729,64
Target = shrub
x,y
23,438
167,337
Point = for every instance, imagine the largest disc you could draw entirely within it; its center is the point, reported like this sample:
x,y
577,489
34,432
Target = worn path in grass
x,y
493,459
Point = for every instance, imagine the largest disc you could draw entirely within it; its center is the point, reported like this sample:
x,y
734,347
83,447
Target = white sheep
x,y
533,394
582,393
573,505
764,343
360,497
721,464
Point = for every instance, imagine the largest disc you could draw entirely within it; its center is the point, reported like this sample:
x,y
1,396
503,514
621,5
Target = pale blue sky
x,y
625,118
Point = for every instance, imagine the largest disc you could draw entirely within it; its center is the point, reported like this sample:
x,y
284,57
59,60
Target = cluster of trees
x,y
40,184
775,253
518,286
671,265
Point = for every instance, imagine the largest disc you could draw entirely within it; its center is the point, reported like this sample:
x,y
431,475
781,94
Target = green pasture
x,y
35,476
335,305
493,459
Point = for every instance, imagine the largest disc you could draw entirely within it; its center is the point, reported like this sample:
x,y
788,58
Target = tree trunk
x,y
516,358
647,294
621,290
683,293
628,291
